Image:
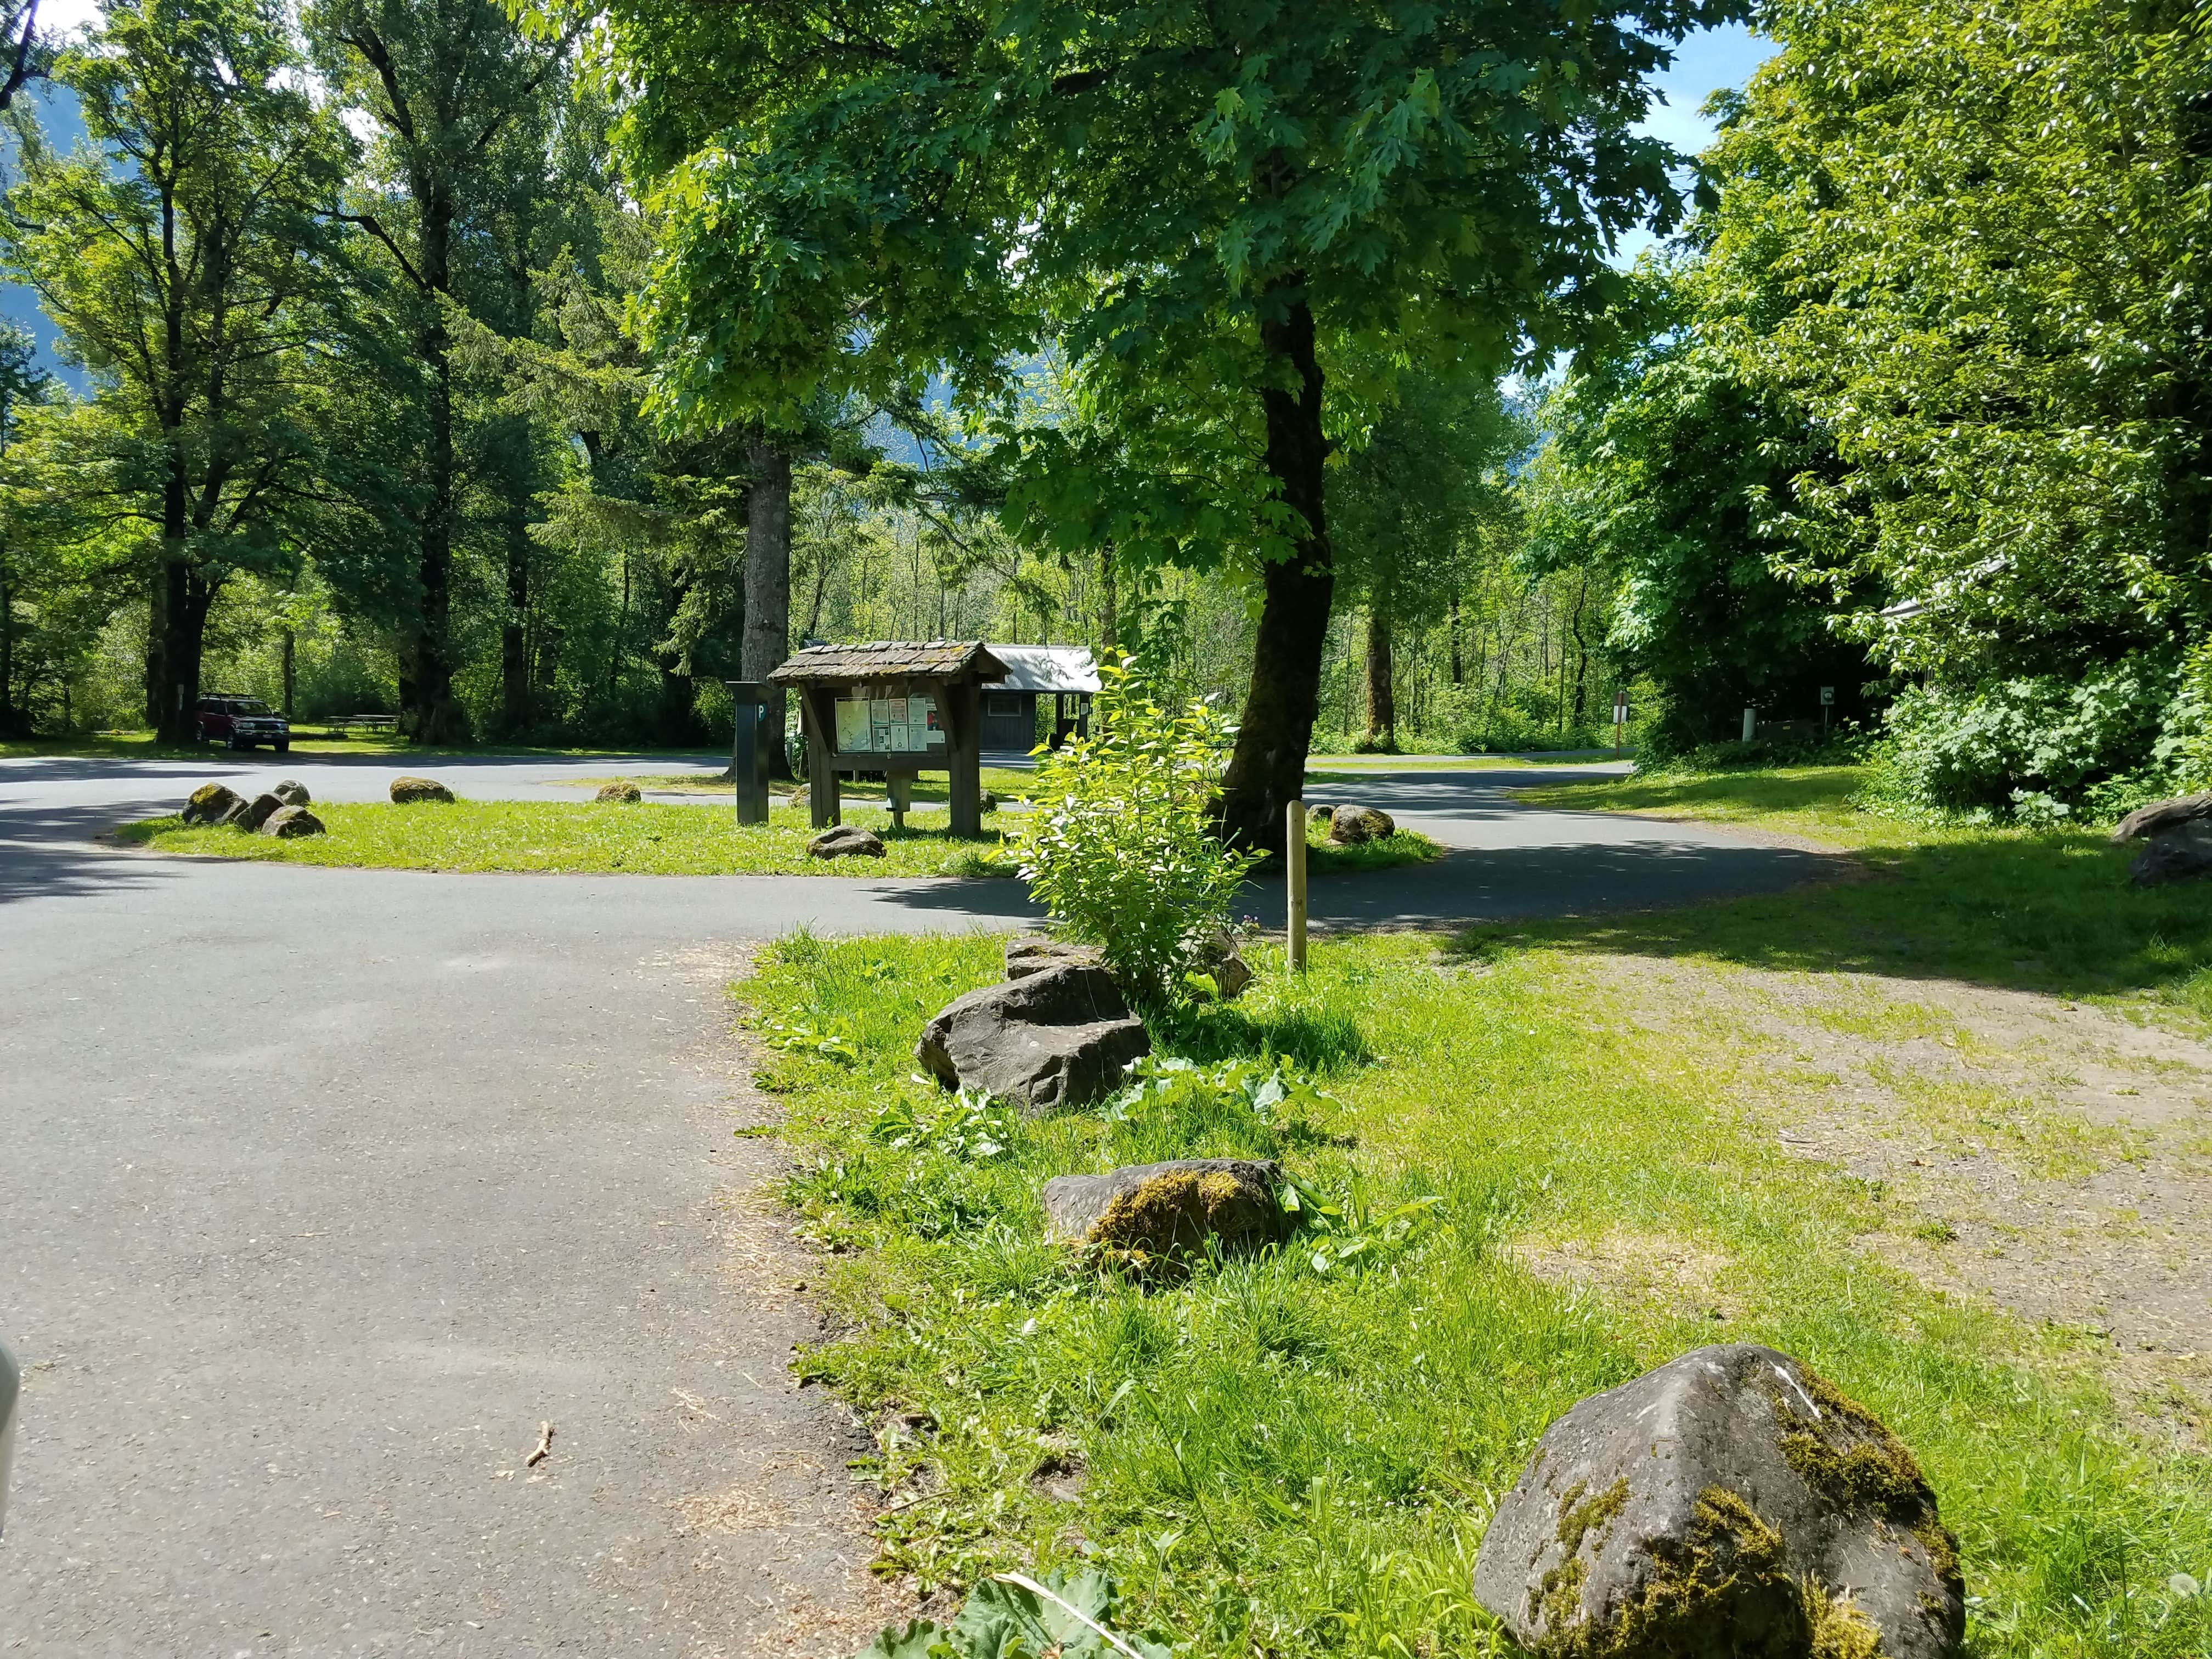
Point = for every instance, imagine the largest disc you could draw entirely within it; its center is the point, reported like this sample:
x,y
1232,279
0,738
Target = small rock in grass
x,y
627,794
1729,1502
1055,1040
843,841
2161,815
291,793
290,823
1350,825
990,802
406,792
257,812
213,803
1321,814
1165,1211
1034,953
2178,854
1219,956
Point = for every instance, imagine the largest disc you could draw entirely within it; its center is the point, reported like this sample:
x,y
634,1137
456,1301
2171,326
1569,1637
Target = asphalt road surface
x,y
321,1190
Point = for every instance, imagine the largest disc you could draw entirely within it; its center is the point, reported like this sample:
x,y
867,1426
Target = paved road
x,y
320,1190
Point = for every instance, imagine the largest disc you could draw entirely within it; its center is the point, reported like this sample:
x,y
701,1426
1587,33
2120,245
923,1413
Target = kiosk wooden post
x,y
1294,860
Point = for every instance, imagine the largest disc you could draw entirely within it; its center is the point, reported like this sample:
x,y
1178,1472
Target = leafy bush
x,y
1121,849
2037,748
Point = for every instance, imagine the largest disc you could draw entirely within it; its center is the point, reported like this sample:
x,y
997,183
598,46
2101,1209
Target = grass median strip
x,y
584,838
1280,1454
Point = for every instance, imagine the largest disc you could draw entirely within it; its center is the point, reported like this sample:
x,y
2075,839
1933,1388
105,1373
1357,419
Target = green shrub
x,y
2038,748
1121,849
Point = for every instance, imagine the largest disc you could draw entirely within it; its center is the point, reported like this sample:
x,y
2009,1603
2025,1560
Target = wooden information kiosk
x,y
897,707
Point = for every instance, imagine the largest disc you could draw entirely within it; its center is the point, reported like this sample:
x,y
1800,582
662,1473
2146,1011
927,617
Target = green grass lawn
x,y
1277,1459
2036,910
652,838
584,838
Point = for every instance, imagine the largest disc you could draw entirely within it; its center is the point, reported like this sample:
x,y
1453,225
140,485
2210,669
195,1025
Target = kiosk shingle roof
x,y
891,660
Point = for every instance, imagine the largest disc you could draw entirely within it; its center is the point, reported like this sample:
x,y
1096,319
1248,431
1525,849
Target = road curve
x,y
323,1188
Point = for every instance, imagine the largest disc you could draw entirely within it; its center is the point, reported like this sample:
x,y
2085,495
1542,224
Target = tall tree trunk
x,y
514,681
1458,675
1266,771
1382,694
177,680
767,586
291,676
10,721
433,716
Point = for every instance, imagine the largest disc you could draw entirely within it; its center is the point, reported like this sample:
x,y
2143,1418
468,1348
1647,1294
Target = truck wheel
x,y
283,747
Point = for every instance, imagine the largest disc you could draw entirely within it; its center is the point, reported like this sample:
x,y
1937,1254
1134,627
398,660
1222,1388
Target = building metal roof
x,y
1045,668
890,660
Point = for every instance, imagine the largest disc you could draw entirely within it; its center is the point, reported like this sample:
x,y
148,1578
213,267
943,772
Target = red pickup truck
x,y
242,722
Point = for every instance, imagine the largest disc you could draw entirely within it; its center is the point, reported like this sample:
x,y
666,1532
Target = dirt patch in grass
x,y
1665,1270
2051,1158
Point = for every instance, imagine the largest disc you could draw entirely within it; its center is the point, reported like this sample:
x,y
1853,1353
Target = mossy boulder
x,y
2182,853
1056,1040
620,794
1730,1502
290,823
1150,1212
411,791
1350,824
844,840
258,812
1037,953
213,803
291,793
2161,817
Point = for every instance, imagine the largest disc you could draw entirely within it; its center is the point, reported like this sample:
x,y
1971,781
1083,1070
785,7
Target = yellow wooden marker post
x,y
1294,856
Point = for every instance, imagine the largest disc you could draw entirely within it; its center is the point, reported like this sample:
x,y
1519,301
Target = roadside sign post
x,y
749,750
1619,719
1294,859
1750,723
1827,701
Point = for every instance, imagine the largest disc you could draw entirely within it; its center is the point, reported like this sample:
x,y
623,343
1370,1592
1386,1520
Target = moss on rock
x,y
1850,1458
1175,1213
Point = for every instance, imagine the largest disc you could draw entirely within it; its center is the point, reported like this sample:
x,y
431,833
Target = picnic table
x,y
342,723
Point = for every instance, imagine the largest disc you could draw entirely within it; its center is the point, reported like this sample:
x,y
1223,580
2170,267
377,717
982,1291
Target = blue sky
x,y
1704,64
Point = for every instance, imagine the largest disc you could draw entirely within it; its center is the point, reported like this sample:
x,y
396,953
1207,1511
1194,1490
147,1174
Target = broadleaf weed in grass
x,y
1348,1433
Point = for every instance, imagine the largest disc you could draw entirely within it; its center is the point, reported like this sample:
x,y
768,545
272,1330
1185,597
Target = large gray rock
x,y
290,823
1055,1040
2178,854
291,793
1354,825
407,792
619,793
257,812
1168,1210
1035,953
843,841
2161,816
213,803
1729,1503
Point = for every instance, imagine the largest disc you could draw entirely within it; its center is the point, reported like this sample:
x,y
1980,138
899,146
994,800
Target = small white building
x,y
1065,673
